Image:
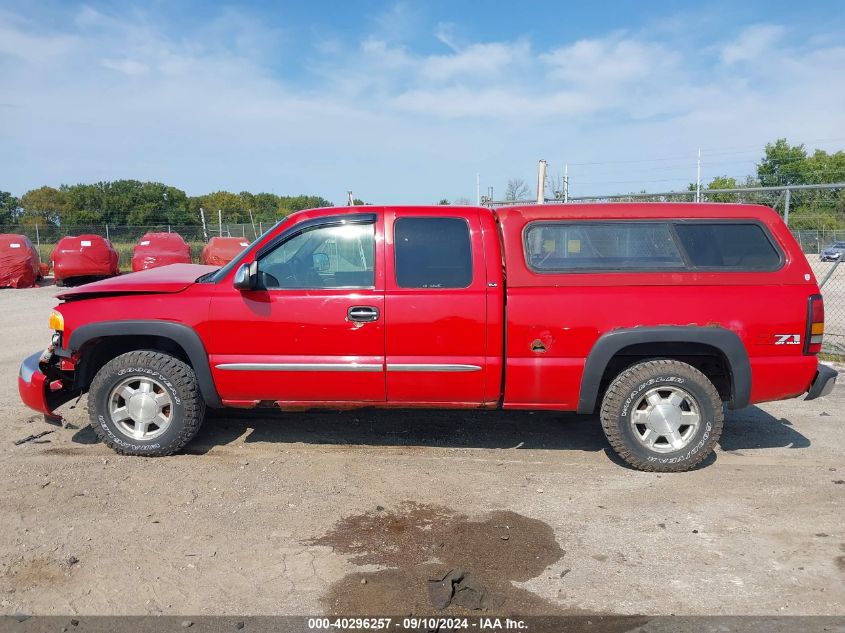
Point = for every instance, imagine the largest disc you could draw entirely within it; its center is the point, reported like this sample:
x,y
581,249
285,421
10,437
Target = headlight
x,y
57,321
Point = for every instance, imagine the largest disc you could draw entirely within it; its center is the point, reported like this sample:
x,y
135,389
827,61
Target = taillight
x,y
815,325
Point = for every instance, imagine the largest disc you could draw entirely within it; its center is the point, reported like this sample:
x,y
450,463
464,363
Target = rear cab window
x,y
432,253
631,246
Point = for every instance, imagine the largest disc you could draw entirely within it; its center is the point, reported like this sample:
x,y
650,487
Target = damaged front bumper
x,y
823,383
41,386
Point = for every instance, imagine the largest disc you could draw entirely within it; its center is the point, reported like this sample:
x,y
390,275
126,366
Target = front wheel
x,y
662,415
145,403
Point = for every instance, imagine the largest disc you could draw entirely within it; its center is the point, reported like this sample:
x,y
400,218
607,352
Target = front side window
x,y
599,246
432,253
341,256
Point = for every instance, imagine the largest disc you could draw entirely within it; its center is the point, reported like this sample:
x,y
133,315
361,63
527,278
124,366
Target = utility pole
x,y
566,182
252,221
541,182
220,221
786,202
698,178
478,189
204,229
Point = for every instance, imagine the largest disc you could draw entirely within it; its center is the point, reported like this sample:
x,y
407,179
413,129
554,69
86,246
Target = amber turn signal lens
x,y
57,321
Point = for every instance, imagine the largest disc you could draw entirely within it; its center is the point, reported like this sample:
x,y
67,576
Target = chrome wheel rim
x,y
665,419
140,408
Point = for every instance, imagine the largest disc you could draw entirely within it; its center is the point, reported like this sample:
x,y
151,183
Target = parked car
x,y
654,316
20,265
221,250
833,252
83,258
160,249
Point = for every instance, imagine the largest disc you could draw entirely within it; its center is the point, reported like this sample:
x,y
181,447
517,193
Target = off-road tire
x,y
188,408
630,385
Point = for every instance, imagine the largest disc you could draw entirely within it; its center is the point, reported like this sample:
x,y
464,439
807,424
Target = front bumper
x,y
823,382
34,387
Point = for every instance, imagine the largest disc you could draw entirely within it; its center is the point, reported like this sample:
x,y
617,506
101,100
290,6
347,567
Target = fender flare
x,y
611,343
183,335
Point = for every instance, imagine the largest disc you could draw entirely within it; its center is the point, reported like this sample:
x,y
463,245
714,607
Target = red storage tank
x,y
84,256
221,250
20,266
160,249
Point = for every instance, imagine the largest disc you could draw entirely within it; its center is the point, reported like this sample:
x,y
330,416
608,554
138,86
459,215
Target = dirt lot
x,y
290,514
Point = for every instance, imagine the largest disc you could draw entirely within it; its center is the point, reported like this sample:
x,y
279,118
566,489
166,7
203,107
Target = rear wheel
x,y
145,403
662,415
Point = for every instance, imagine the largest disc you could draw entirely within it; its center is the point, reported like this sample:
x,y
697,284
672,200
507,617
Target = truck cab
x,y
654,316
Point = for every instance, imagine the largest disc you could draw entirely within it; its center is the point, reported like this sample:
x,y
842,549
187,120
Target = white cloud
x,y
752,43
478,60
611,60
445,32
126,66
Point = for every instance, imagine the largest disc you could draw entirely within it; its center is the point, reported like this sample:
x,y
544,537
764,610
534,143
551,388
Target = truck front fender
x,y
611,343
182,335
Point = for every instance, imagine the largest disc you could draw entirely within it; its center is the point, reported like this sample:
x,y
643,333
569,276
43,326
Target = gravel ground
x,y
308,513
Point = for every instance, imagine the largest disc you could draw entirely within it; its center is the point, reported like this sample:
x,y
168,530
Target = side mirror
x,y
321,262
243,279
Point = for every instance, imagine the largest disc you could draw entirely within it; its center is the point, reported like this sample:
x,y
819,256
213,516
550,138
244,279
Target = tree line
x,y
136,203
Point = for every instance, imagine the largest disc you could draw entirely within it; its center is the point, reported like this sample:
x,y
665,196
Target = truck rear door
x,y
435,307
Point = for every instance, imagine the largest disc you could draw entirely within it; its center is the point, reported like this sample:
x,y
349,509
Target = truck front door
x,y
313,329
436,306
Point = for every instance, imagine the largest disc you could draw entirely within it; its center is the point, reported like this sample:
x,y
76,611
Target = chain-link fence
x,y
831,276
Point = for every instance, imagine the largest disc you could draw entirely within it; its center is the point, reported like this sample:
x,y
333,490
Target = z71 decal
x,y
787,339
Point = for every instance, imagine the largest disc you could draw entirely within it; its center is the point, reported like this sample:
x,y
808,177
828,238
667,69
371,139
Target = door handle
x,y
362,314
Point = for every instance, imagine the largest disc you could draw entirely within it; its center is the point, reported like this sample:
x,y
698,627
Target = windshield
x,y
217,275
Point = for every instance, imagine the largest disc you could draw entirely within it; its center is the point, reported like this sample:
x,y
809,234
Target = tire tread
x,y
615,395
179,373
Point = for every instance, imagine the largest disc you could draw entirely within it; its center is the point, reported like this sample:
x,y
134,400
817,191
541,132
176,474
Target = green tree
x,y
9,208
45,205
230,205
83,204
123,202
443,201
289,204
722,182
782,164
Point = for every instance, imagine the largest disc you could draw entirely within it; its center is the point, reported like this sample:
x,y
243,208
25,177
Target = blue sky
x,y
405,102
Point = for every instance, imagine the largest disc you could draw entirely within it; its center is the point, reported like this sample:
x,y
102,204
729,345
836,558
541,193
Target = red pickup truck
x,y
652,315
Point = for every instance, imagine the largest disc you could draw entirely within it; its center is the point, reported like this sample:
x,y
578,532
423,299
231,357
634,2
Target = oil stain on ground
x,y
419,545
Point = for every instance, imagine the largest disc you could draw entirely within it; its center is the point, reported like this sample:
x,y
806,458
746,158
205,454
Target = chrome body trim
x,y
369,367
436,367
